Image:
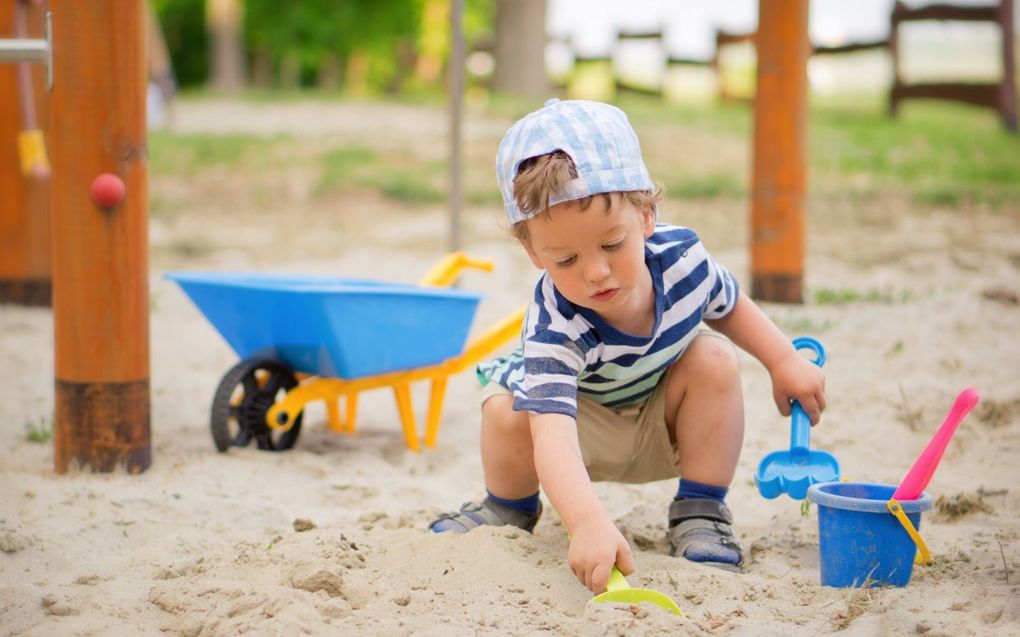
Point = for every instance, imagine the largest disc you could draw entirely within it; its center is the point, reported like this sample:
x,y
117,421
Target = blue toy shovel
x,y
792,472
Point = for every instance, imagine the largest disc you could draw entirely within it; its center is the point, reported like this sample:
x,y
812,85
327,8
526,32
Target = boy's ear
x,y
648,221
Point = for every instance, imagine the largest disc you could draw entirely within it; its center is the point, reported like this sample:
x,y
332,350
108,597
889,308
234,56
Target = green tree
x,y
375,43
313,31
183,23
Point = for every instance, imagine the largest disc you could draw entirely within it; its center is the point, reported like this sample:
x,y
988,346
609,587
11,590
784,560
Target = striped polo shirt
x,y
569,349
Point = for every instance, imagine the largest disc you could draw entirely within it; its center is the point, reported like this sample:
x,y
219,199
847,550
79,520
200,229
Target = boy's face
x,y
596,257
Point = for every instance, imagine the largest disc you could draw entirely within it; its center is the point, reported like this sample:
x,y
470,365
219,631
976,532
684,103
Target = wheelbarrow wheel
x,y
242,400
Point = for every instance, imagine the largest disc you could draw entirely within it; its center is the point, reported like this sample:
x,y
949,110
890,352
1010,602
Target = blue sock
x,y
692,489
526,505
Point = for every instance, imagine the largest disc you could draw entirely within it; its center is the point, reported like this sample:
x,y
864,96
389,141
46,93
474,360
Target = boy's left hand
x,y
796,378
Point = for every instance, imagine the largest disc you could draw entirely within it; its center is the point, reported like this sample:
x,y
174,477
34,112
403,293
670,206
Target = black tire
x,y
242,400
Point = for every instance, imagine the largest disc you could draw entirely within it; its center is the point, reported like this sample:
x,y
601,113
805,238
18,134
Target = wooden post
x,y
24,196
456,71
780,150
1007,88
100,261
893,107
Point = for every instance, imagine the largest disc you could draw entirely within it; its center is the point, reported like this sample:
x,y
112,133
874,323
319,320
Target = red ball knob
x,y
107,190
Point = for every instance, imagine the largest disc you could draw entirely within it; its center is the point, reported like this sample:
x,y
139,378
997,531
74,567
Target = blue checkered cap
x,y
597,136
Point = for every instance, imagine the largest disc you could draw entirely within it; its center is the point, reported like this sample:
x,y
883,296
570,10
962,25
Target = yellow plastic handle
x,y
32,153
923,556
617,582
449,268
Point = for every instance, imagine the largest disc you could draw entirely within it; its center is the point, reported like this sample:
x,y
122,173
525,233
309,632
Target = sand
x,y
329,537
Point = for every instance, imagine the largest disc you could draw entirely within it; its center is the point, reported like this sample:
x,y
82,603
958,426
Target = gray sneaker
x,y
487,512
699,530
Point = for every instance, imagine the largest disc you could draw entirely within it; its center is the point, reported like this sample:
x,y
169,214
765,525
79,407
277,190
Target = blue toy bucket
x,y
860,542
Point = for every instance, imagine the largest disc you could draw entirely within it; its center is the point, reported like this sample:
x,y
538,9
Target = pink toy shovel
x,y
920,474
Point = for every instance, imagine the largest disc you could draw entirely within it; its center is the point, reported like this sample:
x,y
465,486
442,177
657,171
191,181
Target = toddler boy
x,y
615,379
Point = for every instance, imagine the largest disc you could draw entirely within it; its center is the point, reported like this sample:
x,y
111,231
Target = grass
x,y
409,187
354,167
912,417
190,154
803,325
720,185
829,296
729,120
859,601
936,154
344,167
942,154
40,431
897,348
952,508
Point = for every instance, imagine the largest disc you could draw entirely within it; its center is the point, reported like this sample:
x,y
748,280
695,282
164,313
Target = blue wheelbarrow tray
x,y
331,326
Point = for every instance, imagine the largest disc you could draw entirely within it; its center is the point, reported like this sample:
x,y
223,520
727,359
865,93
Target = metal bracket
x,y
27,50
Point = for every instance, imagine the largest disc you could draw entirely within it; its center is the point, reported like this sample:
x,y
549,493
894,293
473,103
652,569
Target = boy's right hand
x,y
596,545
796,378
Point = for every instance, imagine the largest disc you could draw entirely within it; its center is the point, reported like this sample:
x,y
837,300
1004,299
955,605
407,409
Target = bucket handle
x,y
923,556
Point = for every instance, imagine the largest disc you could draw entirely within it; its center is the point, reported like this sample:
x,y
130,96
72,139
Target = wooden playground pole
x,y
24,197
780,151
1007,88
456,71
100,261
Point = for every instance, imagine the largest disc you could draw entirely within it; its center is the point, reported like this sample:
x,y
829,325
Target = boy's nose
x,y
596,270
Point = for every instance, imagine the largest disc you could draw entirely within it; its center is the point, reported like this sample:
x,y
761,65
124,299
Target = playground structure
x,y
25,263
999,96
96,132
95,57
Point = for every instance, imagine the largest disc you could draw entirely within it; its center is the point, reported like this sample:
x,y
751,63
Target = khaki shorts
x,y
630,445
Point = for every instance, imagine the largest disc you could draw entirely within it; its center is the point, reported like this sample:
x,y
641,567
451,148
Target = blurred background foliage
x,y
937,154
365,46
183,23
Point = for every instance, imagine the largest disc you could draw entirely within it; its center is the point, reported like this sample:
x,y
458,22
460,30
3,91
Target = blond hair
x,y
540,178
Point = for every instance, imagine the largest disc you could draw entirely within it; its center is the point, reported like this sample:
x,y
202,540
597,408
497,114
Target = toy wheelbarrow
x,y
304,338
793,471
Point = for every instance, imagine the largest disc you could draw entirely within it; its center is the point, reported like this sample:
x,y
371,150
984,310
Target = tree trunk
x,y
520,48
433,43
330,72
290,72
262,68
356,73
225,21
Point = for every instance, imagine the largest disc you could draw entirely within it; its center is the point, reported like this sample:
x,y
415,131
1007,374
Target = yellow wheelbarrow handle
x,y
449,268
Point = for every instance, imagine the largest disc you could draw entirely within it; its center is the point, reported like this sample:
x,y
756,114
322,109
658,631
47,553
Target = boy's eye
x,y
613,246
562,263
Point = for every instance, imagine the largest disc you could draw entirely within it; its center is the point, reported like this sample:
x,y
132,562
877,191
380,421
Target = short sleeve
x,y
554,354
722,296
